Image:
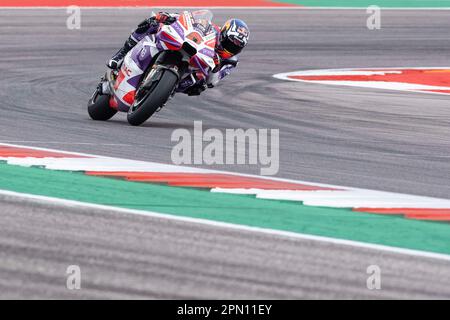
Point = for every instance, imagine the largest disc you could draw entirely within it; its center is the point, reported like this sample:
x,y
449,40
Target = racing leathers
x,y
144,45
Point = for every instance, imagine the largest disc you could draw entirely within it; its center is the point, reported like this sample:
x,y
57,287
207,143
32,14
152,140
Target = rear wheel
x,y
98,107
149,100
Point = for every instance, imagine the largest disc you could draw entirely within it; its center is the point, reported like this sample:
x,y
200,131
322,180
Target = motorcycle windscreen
x,y
202,21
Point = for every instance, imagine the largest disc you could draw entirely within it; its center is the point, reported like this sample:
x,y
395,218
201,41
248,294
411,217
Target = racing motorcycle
x,y
190,43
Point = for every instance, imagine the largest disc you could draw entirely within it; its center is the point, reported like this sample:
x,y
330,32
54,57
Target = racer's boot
x,y
117,59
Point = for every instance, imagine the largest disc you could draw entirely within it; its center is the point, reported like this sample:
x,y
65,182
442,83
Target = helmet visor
x,y
231,47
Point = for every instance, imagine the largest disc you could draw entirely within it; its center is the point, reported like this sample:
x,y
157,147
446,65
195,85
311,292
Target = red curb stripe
x,y
143,3
412,213
208,180
15,152
430,77
440,217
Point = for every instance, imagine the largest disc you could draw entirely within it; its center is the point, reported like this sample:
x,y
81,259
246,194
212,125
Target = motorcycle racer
x,y
231,40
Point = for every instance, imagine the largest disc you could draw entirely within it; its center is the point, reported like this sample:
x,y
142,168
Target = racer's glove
x,y
165,18
153,22
146,25
230,62
196,89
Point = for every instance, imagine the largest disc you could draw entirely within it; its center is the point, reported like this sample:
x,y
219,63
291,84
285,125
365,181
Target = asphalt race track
x,y
177,260
386,140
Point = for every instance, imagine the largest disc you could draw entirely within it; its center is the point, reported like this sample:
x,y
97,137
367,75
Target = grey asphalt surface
x,y
131,256
375,139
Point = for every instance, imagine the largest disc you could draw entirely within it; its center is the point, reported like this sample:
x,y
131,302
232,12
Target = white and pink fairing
x,y
191,31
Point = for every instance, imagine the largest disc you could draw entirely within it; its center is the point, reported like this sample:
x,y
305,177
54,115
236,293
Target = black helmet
x,y
233,38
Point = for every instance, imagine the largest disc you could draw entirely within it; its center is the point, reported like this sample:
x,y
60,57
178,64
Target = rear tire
x,y
99,109
154,99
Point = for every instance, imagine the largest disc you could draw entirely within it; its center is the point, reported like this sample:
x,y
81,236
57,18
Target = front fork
x,y
151,80
166,61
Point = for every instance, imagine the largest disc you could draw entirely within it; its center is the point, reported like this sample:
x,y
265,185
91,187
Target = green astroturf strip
x,y
237,209
366,3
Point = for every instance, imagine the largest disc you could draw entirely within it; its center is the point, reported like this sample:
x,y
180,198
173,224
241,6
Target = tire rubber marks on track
x,y
310,194
429,80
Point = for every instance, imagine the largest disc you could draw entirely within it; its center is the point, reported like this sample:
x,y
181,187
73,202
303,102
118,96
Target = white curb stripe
x,y
384,85
347,198
343,197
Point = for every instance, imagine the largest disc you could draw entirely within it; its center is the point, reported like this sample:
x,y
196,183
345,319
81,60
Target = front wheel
x,y
148,101
98,107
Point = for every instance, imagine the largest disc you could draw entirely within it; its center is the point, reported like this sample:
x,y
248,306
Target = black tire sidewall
x,y
100,109
155,99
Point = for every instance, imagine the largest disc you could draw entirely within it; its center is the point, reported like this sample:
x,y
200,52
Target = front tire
x,y
153,100
98,107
